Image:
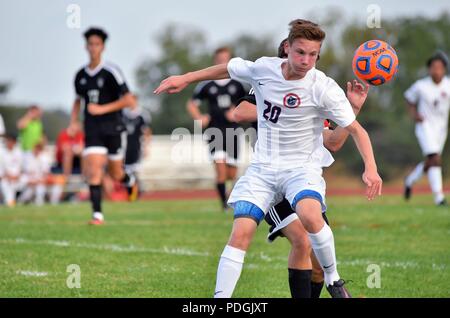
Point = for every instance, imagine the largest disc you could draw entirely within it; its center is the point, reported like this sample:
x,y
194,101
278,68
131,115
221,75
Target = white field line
x,y
261,259
32,273
108,247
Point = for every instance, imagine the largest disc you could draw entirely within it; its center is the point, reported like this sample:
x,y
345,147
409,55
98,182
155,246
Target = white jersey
x,y
11,162
291,113
36,167
433,104
432,100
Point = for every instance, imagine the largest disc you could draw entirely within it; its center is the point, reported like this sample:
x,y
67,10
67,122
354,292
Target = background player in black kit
x,y
137,122
101,89
221,97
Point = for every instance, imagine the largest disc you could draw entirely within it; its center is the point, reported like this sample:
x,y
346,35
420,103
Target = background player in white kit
x,y
293,98
11,158
429,102
36,168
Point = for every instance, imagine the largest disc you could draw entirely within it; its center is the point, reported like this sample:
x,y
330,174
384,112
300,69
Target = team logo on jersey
x,y
232,89
83,81
213,90
100,82
291,100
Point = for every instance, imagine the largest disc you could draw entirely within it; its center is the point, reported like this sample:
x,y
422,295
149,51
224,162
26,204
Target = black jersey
x,y
220,96
102,85
250,97
135,126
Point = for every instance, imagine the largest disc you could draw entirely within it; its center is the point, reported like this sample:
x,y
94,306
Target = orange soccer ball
x,y
375,62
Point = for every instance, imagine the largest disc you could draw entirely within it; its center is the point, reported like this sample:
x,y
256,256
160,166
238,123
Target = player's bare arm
x,y
126,100
175,84
75,111
357,95
370,176
412,108
193,109
25,119
245,112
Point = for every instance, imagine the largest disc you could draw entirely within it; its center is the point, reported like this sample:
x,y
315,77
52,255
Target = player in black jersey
x,y
101,89
283,220
221,97
137,123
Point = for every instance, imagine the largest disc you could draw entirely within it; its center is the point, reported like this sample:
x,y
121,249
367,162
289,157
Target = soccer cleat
x,y
132,189
443,203
337,290
407,192
133,192
96,222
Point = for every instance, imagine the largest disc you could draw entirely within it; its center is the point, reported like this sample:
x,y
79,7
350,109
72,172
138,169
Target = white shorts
x,y
265,187
431,139
221,155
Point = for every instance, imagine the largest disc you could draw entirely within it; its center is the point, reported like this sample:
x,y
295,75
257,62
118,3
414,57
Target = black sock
x,y
126,179
223,196
316,289
300,282
96,197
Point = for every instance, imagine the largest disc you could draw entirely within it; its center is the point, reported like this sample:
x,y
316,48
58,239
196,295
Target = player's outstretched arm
x,y
370,176
175,84
356,94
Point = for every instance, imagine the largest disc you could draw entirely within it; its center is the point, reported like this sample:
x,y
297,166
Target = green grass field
x,y
171,249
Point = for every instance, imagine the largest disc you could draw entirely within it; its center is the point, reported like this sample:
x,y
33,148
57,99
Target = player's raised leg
x,y
412,178
117,172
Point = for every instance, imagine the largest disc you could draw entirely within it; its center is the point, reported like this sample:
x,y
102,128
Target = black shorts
x,y
223,147
280,216
106,138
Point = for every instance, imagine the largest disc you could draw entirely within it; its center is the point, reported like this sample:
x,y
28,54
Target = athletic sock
x,y
39,197
316,289
126,179
300,282
8,191
56,193
435,179
322,243
415,175
222,193
228,271
96,198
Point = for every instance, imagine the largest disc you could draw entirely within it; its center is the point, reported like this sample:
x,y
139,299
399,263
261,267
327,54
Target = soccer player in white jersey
x,y
429,101
293,99
305,277
10,170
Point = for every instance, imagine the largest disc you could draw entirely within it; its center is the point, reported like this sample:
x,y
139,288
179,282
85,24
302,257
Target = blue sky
x,y
40,54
